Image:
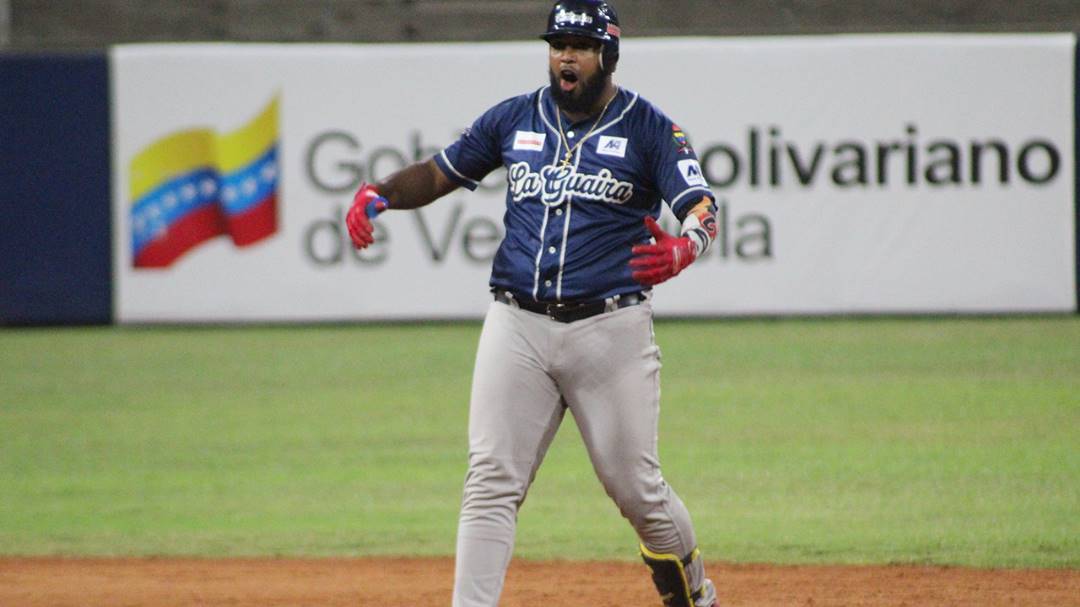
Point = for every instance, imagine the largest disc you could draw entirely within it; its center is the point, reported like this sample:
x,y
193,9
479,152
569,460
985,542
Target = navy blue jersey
x,y
571,221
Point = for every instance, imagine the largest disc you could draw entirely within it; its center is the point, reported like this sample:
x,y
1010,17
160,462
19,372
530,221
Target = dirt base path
x,y
32,582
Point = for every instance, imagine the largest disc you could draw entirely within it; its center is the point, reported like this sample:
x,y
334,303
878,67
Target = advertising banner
x,y
854,174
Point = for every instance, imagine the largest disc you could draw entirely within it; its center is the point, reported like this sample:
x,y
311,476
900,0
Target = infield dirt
x,y
399,582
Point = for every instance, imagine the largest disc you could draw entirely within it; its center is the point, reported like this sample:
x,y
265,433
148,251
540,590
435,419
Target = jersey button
x,y
570,134
547,283
551,250
558,211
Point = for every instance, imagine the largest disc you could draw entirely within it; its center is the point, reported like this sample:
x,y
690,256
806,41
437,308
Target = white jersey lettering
x,y
556,184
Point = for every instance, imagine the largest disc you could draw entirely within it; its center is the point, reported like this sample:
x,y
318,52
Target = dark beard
x,y
586,101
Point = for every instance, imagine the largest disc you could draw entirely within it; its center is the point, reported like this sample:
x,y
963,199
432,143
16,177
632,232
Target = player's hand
x,y
655,263
367,204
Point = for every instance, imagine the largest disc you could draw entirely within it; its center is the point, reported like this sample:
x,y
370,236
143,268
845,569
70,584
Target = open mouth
x,y
568,80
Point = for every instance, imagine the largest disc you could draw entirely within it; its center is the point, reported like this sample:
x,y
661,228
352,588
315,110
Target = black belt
x,y
569,311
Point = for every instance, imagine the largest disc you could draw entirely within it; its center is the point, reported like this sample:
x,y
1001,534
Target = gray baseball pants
x,y
529,371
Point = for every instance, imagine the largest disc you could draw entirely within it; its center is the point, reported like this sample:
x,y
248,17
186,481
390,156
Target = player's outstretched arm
x,y
415,186
410,188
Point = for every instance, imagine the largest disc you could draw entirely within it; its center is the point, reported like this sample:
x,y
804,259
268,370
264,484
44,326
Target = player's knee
x,y
493,481
642,501
648,518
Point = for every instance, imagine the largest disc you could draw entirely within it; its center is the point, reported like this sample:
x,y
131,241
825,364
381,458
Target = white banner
x,y
855,174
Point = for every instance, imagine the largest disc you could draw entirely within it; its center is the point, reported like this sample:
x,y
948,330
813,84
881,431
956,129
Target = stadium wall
x,y
98,24
935,174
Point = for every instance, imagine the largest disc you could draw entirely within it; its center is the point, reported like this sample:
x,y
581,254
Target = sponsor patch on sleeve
x,y
691,172
529,141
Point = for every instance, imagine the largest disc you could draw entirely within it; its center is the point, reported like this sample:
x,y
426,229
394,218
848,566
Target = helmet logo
x,y
565,16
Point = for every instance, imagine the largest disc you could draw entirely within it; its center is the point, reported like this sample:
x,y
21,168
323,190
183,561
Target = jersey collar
x,y
623,102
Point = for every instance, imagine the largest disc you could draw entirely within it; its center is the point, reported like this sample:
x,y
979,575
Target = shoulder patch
x,y
680,139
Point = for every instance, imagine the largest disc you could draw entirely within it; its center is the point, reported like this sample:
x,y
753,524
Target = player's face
x,y
577,76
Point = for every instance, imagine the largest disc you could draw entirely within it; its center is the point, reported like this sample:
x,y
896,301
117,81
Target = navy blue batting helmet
x,y
589,18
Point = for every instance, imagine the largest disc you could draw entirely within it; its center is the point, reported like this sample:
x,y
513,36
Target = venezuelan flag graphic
x,y
194,185
248,160
680,139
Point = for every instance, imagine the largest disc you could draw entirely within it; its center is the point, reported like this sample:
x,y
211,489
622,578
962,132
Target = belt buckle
x,y
553,309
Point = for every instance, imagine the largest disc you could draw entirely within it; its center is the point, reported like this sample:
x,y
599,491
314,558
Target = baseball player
x,y
589,165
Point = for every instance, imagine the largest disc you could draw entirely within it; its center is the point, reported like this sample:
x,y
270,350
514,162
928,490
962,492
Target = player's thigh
x,y
515,402
614,393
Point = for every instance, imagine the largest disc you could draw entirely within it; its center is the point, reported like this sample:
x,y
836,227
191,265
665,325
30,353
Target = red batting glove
x,y
367,204
655,263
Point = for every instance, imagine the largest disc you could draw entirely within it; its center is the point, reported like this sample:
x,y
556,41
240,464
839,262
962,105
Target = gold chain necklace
x,y
570,150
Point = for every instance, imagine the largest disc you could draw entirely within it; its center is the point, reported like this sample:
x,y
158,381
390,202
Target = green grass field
x,y
792,441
